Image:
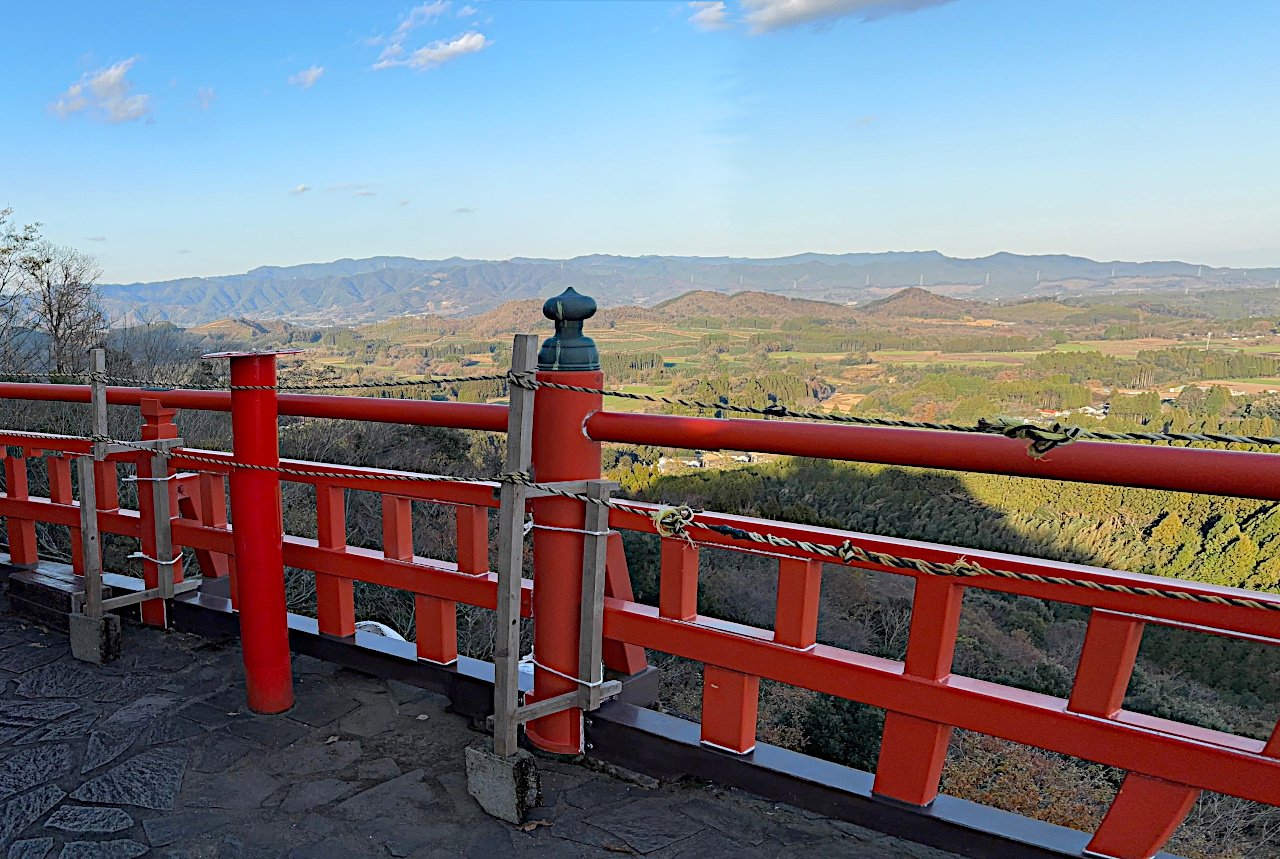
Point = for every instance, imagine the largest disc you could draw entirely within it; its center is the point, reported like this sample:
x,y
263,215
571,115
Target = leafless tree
x,y
16,245
60,287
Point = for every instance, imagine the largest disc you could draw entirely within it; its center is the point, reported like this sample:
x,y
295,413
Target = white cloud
x,y
767,15
301,189
365,193
307,77
440,52
437,53
709,15
96,238
105,95
206,96
403,203
419,15
464,210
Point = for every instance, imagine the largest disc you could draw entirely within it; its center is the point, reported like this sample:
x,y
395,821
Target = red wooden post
x,y
213,514
60,493
1142,817
22,532
157,423
678,579
473,540
397,528
729,707
799,588
913,750
1106,664
106,488
436,619
259,541
1146,811
618,655
335,596
561,451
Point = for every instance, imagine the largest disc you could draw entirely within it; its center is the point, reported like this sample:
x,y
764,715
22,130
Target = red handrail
x,y
476,416
1218,472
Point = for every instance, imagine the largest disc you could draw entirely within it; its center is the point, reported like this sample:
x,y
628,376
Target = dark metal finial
x,y
568,348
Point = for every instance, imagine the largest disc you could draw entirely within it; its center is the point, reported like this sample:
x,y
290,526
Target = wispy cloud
x,y
403,203
306,78
766,15
365,193
464,210
301,189
105,95
437,53
206,96
95,238
185,251
709,15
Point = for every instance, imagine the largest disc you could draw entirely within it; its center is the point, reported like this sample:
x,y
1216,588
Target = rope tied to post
x,y
1042,439
673,521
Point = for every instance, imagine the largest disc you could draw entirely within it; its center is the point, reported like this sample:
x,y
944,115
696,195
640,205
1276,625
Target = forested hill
x,y
368,290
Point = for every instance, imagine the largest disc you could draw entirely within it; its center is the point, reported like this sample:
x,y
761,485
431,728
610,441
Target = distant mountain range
x,y
369,290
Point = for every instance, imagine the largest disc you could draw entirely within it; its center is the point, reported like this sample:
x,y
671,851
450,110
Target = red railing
x,y
1167,762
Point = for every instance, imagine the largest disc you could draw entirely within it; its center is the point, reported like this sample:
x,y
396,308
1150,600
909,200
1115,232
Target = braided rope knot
x,y
673,521
522,380
1043,439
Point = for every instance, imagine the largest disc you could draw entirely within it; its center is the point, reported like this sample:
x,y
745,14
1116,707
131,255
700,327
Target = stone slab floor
x,y
157,755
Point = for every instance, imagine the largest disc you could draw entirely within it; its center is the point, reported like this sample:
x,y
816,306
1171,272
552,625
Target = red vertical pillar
x,y
335,596
561,451
60,493
256,525
22,532
913,750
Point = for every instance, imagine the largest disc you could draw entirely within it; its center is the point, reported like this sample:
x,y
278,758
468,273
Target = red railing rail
x,y
1167,762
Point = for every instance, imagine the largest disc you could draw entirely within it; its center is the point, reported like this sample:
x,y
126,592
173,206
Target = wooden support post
x,y
594,555
335,596
913,750
799,588
506,653
90,541
678,582
730,702
153,504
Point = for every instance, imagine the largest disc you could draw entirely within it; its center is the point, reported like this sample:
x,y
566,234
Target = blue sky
x,y
172,140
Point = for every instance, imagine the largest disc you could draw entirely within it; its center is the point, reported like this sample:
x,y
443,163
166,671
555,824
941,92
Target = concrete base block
x,y
505,787
95,639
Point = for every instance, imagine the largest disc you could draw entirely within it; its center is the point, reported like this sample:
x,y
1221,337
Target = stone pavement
x,y
157,755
